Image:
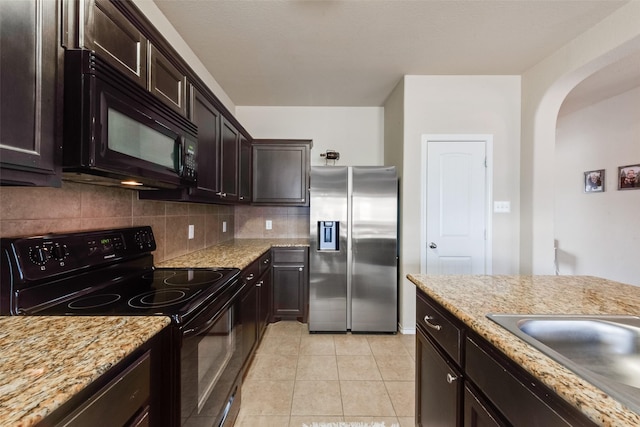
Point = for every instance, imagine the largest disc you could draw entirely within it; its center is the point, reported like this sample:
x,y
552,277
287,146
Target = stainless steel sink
x,y
604,350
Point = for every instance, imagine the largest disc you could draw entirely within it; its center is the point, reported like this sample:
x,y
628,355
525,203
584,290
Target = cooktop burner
x,y
190,277
93,301
161,298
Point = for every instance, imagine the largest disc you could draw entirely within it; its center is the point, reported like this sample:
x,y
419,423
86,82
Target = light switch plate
x,y
191,231
502,207
268,224
224,226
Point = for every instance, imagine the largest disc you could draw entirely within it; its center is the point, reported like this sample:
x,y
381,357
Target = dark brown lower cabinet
x,y
476,413
290,283
438,387
463,380
134,392
265,294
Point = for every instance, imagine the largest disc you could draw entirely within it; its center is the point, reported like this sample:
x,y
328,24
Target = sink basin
x,y
604,350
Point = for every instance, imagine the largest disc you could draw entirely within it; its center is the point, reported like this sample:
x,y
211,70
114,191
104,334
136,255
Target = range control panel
x,y
41,257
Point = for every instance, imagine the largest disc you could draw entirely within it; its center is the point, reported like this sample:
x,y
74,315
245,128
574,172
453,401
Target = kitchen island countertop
x,y
236,253
47,360
471,298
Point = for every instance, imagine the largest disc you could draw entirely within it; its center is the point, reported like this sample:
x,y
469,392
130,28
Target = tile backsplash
x,y
28,211
286,222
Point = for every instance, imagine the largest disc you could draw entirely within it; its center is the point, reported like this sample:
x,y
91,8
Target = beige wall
x,y
597,233
544,87
27,211
459,105
356,132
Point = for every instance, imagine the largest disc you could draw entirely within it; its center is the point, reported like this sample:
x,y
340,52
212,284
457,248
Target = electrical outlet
x,y
224,226
268,224
191,231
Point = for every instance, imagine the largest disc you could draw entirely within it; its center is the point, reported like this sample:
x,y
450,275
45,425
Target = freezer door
x,y
328,250
374,280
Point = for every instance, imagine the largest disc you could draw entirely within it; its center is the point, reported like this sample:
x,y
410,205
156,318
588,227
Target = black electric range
x,y
111,272
101,273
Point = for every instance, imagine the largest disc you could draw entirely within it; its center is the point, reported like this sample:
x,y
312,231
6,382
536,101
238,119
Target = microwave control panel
x,y
189,160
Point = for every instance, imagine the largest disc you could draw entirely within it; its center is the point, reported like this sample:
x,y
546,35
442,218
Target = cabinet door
x,y
229,161
28,78
438,387
167,83
244,184
281,172
248,308
207,118
115,39
265,290
476,414
288,291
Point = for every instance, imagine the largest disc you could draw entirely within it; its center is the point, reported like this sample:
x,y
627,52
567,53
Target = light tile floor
x,y
299,378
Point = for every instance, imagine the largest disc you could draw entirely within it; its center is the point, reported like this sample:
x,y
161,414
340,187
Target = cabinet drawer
x,y
119,400
287,255
440,327
517,403
264,262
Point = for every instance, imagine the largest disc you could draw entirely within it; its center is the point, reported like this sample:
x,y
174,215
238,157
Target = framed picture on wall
x,y
629,177
594,181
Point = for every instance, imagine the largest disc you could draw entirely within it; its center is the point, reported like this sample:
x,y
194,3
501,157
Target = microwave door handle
x,y
179,154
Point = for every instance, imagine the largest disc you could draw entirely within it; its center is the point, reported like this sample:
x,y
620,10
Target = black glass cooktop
x,y
160,291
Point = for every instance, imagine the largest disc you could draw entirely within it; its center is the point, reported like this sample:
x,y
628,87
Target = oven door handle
x,y
200,328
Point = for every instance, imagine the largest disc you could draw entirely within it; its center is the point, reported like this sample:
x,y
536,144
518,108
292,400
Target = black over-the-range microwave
x,y
117,133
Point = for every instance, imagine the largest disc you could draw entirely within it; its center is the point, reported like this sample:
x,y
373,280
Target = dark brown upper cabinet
x,y
116,39
167,82
208,118
30,108
235,164
281,172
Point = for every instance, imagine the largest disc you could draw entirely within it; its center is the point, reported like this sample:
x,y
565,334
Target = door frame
x,y
488,141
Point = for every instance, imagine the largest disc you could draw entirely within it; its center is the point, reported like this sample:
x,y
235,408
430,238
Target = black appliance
x,y
111,272
117,133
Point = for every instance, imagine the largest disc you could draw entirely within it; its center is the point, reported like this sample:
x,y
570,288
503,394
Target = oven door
x,y
211,363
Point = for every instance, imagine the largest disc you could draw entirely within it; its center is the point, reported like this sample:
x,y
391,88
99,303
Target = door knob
x,y
433,245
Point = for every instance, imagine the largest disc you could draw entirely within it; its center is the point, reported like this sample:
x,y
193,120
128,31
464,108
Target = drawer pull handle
x,y
259,284
266,261
250,277
451,378
431,325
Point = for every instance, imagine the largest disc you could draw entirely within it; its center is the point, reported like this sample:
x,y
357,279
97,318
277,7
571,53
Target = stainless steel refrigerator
x,y
353,256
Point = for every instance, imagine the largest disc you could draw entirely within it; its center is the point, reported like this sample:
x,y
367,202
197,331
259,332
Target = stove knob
x,y
59,252
38,255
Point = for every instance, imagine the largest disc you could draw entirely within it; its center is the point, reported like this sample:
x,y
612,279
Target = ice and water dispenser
x,y
328,235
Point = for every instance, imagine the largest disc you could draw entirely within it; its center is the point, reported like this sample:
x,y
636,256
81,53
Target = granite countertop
x,y
237,253
470,298
47,360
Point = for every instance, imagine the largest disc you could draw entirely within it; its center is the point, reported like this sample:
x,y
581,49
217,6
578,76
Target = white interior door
x,y
456,240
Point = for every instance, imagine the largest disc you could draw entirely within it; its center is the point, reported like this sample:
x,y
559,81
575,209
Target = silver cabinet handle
x,y
431,325
266,261
300,269
451,378
250,277
259,284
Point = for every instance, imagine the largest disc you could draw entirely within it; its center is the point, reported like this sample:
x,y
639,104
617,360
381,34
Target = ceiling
x,y
354,52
